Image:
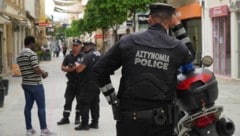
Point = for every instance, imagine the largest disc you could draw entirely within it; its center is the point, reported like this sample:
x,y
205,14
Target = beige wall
x,y
215,3
42,30
7,50
13,39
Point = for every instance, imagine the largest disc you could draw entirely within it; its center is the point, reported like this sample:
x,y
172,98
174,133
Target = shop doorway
x,y
193,27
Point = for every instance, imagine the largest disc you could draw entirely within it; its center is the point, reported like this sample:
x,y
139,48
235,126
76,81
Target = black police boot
x,y
65,119
77,118
84,124
82,127
94,125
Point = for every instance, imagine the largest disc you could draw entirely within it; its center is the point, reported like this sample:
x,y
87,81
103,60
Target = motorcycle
x,y
197,92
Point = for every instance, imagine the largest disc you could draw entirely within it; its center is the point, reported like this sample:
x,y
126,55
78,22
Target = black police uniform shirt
x,y
70,60
90,59
149,61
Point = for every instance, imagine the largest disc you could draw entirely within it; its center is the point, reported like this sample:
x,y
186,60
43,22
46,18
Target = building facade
x,y
213,28
220,36
235,37
12,23
17,19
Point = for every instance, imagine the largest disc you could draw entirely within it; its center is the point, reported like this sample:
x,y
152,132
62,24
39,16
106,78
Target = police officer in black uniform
x,y
73,77
89,95
145,103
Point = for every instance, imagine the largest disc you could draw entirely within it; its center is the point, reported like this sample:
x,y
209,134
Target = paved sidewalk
x,y
12,118
229,97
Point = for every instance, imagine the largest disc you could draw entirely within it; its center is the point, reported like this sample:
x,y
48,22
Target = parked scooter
x,y
197,92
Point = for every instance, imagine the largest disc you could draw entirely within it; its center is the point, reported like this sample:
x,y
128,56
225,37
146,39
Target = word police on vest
x,y
152,59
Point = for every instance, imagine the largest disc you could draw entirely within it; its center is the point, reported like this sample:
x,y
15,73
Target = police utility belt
x,y
161,116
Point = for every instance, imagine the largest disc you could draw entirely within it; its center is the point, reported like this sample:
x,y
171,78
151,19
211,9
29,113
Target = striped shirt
x,y
27,60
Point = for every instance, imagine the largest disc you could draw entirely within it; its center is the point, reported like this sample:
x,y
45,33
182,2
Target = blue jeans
x,y
34,93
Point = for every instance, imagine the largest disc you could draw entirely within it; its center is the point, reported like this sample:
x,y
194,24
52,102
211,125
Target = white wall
x,y
235,56
207,43
29,6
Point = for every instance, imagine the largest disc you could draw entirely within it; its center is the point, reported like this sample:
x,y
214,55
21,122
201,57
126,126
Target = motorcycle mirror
x,y
207,61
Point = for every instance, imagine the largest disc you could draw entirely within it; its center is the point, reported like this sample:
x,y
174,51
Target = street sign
x,y
43,24
219,11
142,19
129,22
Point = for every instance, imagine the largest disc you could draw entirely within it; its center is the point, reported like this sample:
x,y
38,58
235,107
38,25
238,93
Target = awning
x,y
4,20
29,16
13,17
60,10
192,10
66,3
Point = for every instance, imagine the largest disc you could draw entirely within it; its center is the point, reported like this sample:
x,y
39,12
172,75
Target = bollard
x,y
5,83
2,96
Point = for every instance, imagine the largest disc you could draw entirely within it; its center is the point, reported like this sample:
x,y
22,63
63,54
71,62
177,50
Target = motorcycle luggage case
x,y
196,90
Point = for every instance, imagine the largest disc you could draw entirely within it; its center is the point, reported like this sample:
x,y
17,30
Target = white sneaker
x,y
46,132
30,132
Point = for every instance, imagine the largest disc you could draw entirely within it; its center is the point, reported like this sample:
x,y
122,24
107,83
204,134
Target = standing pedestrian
x,y
145,104
56,49
74,78
32,85
89,95
64,49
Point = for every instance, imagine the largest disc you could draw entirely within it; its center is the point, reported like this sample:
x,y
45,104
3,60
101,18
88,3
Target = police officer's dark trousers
x,y
71,92
89,100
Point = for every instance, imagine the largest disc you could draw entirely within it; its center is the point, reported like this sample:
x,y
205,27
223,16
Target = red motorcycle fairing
x,y
196,90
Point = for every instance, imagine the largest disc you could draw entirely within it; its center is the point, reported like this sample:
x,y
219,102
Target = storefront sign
x,y
142,19
43,24
97,36
219,11
195,8
129,22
